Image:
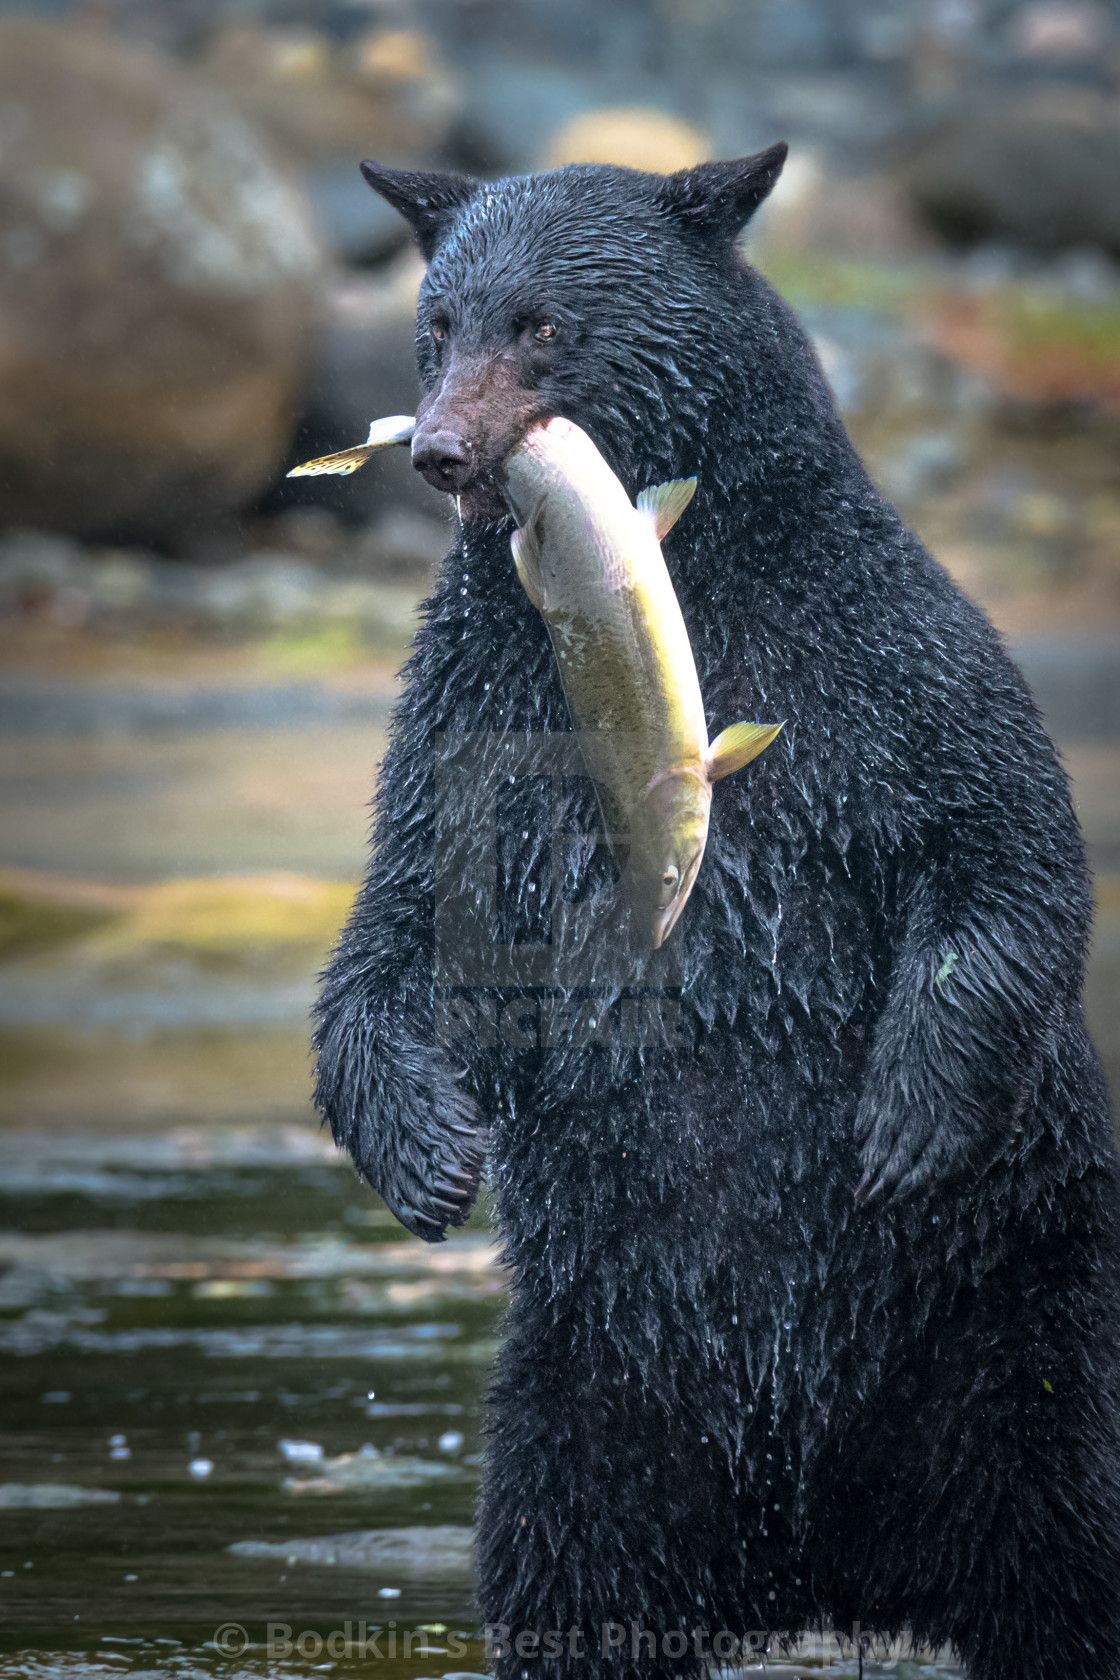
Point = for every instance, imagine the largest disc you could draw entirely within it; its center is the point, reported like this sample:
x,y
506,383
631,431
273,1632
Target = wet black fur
x,y
732,1396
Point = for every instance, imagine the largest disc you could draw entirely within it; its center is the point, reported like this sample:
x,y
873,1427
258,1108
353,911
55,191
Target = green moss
x,y
29,1052
806,279
1038,322
318,649
28,924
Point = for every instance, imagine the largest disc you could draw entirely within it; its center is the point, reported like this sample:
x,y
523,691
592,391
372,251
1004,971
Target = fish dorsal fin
x,y
526,550
664,503
737,746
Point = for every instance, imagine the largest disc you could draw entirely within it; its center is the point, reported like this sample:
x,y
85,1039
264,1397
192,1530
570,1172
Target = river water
x,y
241,1411
242,1416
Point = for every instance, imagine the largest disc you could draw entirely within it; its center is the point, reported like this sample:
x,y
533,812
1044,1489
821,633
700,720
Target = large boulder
x,y
158,295
634,136
384,93
325,103
1036,168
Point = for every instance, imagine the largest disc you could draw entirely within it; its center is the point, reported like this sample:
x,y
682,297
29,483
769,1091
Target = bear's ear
x,y
720,198
428,201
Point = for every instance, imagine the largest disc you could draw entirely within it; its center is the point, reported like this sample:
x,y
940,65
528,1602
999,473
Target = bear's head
x,y
606,295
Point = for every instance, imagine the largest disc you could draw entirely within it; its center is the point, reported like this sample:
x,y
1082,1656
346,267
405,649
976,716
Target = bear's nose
x,y
444,458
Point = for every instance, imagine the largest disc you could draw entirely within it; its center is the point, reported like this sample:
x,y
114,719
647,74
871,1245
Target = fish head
x,y
668,833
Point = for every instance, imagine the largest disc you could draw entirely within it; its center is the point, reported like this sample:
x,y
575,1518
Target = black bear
x,y
815,1305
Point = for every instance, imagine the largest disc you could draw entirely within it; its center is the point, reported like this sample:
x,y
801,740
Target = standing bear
x,y
815,1297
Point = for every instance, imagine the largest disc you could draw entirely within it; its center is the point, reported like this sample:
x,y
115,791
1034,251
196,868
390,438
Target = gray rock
x,y
925,462
513,105
120,582
263,590
370,1471
404,544
441,1550
75,710
159,275
52,1496
1076,681
34,565
357,224
1037,168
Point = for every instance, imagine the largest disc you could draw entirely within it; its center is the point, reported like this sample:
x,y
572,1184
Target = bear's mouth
x,y
482,503
468,425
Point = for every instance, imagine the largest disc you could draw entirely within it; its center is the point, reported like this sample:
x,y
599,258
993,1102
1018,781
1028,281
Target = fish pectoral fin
x,y
664,503
526,553
346,461
396,428
737,746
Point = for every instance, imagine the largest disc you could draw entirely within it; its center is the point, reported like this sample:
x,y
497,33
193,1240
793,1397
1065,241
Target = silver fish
x,y
591,562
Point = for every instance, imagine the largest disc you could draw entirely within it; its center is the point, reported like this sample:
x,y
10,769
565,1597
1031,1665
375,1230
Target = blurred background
x,y
232,1391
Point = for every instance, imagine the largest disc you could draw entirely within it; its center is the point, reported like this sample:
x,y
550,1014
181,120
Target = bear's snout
x,y
470,423
443,455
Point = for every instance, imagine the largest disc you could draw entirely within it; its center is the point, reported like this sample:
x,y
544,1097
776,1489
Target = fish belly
x,y
630,708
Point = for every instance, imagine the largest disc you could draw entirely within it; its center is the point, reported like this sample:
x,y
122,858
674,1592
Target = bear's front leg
x,y
383,1084
395,1105
990,963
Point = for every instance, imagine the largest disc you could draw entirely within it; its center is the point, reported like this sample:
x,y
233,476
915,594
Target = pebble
x,y
301,1452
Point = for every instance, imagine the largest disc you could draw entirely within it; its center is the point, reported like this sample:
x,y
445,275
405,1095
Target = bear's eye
x,y
544,331
438,330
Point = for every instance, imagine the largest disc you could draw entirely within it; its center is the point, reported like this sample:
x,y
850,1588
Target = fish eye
x,y
545,331
670,879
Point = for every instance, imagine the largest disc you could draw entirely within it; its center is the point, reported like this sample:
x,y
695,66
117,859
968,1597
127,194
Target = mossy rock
x,y
29,924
